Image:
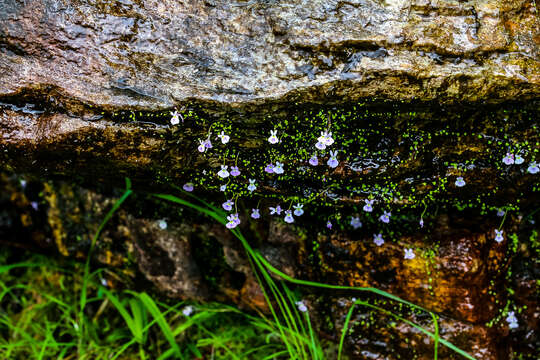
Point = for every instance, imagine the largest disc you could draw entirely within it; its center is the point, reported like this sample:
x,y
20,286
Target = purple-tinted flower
x,y
234,221
255,213
508,159
301,306
207,143
319,145
224,138
251,187
223,187
175,118
298,209
500,212
23,184
227,205
512,320
188,187
367,207
329,224
499,236
533,168
187,311
409,254
288,216
162,224
332,161
275,210
519,160
355,222
378,239
421,222
278,169
269,168
273,139
201,146
460,182
326,138
223,173
385,218
235,171
313,161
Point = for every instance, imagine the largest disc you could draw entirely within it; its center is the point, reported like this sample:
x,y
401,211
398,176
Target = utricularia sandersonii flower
x,y
500,212
162,224
385,218
301,306
234,221
409,254
252,187
278,169
223,187
533,168
329,224
227,205
512,320
188,310
255,214
201,147
275,210
288,216
499,236
460,182
355,222
224,138
188,187
378,239
324,140
223,173
269,168
333,161
518,160
421,222
175,118
235,171
313,161
298,209
273,139
368,206
508,159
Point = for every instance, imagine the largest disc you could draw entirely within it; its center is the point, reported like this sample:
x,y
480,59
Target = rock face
x,y
431,105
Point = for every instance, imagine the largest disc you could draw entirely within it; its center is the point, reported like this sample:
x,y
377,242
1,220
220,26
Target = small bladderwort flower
x,y
500,212
508,159
273,139
175,118
421,222
224,138
319,145
252,187
367,207
385,218
227,205
278,169
34,205
518,160
201,147
234,221
162,224
298,209
460,182
188,187
313,161
275,210
329,224
409,254
301,306
288,216
269,168
223,173
355,222
223,187
512,320
326,138
499,236
255,213
333,161
208,143
187,311
533,168
235,171
378,239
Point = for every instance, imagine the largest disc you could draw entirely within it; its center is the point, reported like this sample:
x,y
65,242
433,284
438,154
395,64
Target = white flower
x,y
298,209
273,139
460,182
278,169
252,187
355,222
288,216
224,138
301,306
188,310
201,147
499,236
518,160
378,240
223,173
162,224
409,254
326,138
512,320
508,159
175,118
223,187
227,205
